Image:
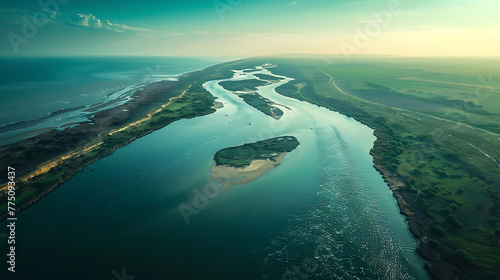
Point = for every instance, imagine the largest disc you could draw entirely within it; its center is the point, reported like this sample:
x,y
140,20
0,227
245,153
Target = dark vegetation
x,y
31,154
262,104
243,155
443,182
270,78
251,97
243,85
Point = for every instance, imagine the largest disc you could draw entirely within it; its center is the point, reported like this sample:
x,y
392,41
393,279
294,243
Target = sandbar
x,y
230,176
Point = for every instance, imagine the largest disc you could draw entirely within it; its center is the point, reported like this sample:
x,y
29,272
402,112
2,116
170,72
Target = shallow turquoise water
x,y
325,213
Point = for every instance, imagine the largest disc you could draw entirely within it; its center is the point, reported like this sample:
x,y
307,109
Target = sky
x,y
249,27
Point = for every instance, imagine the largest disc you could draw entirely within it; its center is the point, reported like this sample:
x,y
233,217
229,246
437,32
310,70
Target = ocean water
x,y
324,213
40,93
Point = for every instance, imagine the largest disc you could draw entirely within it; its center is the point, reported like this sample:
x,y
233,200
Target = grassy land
x,y
438,152
246,89
269,78
262,104
243,155
193,103
455,92
243,85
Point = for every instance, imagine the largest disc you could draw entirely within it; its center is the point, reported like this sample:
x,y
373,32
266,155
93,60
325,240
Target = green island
x,y
246,89
243,164
243,85
269,149
262,104
269,78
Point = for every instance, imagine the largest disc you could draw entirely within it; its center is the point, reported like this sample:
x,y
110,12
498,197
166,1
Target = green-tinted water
x,y
325,213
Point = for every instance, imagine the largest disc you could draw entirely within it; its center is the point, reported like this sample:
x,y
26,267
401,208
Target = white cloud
x,y
90,20
51,13
81,20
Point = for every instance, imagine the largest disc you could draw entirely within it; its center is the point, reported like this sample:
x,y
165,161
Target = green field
x,y
459,90
435,84
435,134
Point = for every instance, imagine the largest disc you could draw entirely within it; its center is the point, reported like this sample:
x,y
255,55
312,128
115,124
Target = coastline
x,y
437,267
150,102
93,108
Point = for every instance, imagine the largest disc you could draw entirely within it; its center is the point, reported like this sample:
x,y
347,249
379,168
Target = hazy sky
x,y
250,27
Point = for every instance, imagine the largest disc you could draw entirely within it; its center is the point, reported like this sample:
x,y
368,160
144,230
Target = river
x,y
324,213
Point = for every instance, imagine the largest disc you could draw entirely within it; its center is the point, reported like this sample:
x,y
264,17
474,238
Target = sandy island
x,y
232,176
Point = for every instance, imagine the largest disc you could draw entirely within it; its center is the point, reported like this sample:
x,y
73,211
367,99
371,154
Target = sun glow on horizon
x,y
395,27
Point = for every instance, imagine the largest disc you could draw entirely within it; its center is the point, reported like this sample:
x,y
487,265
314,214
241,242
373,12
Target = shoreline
x,y
437,267
197,100
63,180
148,103
94,108
230,176
434,257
